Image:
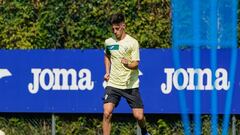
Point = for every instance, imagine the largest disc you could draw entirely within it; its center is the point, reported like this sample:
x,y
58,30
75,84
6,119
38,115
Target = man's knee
x,y
107,115
108,108
138,116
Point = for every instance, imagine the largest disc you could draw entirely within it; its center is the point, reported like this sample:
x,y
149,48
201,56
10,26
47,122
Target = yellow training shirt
x,y
120,76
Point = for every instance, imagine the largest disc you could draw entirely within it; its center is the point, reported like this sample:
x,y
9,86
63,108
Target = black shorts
x,y
113,95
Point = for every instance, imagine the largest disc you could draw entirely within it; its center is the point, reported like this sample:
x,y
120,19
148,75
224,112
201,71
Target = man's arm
x,y
107,63
131,65
135,58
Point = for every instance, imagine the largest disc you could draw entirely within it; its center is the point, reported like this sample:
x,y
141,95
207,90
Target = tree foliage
x,y
40,24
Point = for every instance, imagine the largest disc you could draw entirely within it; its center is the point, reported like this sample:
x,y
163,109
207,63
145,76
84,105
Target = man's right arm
x,y
107,63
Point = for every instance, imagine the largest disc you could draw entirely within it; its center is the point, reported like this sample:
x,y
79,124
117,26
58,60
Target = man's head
x,y
118,25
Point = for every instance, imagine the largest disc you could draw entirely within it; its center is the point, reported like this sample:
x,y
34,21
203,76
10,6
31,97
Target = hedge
x,y
75,24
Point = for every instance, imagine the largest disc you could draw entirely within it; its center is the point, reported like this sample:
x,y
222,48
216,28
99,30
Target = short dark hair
x,y
117,18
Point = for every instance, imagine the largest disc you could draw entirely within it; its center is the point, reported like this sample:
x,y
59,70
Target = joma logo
x,y
60,79
188,76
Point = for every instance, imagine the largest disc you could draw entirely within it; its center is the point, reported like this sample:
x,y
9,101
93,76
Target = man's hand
x,y
106,76
124,61
131,65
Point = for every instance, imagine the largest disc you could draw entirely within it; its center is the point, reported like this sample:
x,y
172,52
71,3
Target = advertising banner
x,y
71,81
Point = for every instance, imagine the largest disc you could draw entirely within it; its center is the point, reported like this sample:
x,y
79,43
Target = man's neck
x,y
122,37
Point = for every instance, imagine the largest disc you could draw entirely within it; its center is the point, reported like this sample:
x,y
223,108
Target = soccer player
x,y
121,61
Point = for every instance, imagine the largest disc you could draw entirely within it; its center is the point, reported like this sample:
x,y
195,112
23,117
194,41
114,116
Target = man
x,y
121,64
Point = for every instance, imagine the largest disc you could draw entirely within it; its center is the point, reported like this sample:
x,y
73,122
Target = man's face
x,y
118,30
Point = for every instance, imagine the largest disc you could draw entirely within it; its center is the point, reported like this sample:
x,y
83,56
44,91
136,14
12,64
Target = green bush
x,y
22,126
92,125
40,24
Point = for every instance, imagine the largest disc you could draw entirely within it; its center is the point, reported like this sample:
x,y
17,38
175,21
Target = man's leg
x,y
135,102
107,115
139,116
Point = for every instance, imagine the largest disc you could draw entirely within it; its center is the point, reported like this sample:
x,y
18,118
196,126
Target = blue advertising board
x,y
71,81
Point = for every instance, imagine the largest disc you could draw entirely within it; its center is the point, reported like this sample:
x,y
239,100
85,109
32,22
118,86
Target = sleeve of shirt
x,y
106,50
135,52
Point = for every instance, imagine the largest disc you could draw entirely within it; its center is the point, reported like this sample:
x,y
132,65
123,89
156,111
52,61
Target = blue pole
x,y
196,62
176,59
213,45
232,68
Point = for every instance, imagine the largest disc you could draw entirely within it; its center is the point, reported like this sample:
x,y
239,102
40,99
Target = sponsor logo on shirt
x,y
113,47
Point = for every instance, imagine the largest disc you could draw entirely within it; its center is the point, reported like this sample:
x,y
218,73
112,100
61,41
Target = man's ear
x,y
123,25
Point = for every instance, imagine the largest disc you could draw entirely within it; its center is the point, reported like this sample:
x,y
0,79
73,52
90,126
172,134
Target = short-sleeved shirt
x,y
120,76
